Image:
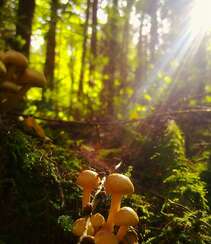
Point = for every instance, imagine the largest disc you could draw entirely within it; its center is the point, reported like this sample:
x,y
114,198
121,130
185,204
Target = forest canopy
x,y
118,58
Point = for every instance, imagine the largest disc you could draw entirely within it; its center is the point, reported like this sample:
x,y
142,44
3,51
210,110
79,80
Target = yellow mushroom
x,y
124,218
79,227
131,237
88,240
117,185
15,63
32,78
3,70
88,180
97,220
105,237
1,55
9,86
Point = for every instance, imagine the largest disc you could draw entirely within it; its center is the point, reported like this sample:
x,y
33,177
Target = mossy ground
x,y
39,199
37,185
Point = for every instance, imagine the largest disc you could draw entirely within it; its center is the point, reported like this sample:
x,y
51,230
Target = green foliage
x,y
66,222
144,210
187,187
183,215
39,179
206,176
171,150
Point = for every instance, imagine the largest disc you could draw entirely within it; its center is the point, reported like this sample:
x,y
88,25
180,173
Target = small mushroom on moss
x,y
79,227
117,185
32,78
3,69
88,180
105,237
97,221
124,218
15,63
88,240
131,237
1,55
10,87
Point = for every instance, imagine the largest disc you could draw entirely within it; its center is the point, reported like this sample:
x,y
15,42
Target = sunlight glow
x,y
195,25
201,16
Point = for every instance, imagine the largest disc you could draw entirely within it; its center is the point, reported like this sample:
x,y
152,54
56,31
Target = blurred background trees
x,y
114,58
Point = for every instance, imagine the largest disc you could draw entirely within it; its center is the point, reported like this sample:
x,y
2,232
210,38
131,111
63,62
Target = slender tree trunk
x,y
93,44
72,79
201,63
110,68
140,70
2,3
84,51
125,44
94,28
51,45
24,23
153,30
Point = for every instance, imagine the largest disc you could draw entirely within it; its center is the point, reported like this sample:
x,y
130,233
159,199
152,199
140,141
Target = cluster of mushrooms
x,y
94,228
16,78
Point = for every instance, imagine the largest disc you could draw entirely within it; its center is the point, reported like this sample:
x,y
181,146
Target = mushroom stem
x,y
115,206
122,232
86,196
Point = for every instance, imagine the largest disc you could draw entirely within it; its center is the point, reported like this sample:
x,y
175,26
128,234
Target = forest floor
x,y
39,199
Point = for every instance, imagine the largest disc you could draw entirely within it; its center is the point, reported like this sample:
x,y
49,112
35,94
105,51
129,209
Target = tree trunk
x,y
72,79
51,45
110,68
1,3
25,15
94,28
84,51
153,30
140,70
93,44
125,44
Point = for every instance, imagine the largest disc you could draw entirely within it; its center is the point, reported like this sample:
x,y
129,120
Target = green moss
x,y
37,186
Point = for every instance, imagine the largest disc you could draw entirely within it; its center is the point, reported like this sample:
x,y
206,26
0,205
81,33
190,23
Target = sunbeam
x,y
195,26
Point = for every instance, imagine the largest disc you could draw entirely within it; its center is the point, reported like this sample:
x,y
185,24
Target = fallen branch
x,y
206,111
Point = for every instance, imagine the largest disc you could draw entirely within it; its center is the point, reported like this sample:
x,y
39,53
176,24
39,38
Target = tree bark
x,y
25,15
51,45
140,70
84,51
2,3
93,44
153,29
110,68
125,44
94,28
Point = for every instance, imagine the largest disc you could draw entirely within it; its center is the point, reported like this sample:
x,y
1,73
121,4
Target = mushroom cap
x,y
97,220
88,240
79,227
126,216
1,55
12,57
130,237
88,178
118,183
3,69
32,78
105,237
10,87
